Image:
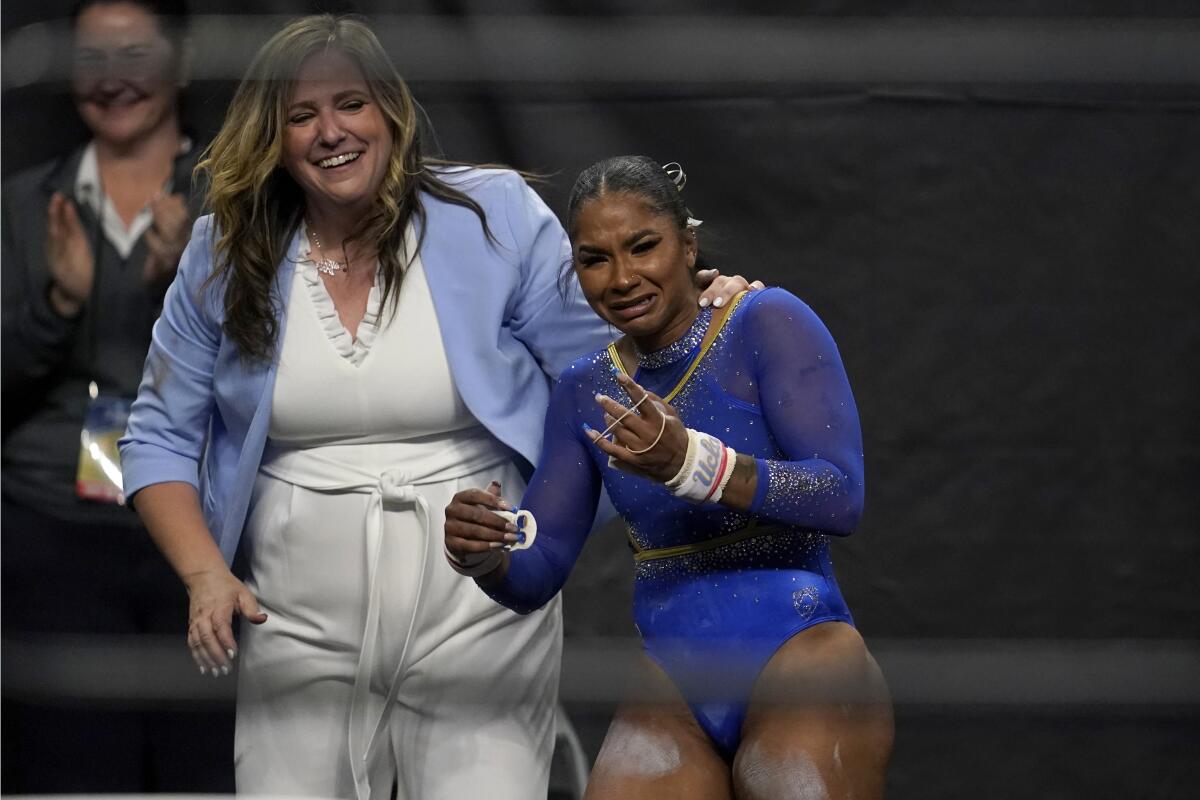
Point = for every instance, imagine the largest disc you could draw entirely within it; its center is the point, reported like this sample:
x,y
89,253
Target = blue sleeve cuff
x,y
505,592
144,464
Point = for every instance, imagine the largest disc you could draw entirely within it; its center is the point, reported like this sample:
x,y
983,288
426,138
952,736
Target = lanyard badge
x,y
98,477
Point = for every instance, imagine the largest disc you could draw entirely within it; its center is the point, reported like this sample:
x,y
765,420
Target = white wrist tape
x,y
706,470
730,463
689,459
475,565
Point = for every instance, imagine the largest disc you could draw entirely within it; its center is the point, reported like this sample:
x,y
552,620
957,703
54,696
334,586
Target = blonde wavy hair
x,y
256,204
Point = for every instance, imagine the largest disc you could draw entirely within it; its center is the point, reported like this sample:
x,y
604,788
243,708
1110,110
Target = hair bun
x,y
675,172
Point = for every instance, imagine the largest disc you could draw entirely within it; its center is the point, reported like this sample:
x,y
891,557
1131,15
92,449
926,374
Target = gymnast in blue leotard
x,y
728,440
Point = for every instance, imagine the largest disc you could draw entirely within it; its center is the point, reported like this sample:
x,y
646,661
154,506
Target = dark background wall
x,y
1003,239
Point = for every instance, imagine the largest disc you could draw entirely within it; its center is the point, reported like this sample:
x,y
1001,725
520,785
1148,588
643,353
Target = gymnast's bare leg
x,y
820,722
655,749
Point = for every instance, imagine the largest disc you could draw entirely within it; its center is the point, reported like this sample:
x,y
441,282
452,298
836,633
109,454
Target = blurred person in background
x,y
735,454
90,242
356,333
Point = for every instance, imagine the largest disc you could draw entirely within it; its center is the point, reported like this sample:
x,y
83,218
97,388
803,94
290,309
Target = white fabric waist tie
x,y
317,470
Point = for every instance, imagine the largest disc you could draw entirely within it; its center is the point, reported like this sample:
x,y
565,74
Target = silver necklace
x,y
328,266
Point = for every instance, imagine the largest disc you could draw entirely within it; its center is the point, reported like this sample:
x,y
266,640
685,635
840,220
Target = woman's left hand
x,y
719,289
650,442
165,240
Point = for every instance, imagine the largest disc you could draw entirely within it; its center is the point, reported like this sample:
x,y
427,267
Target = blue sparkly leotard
x,y
717,590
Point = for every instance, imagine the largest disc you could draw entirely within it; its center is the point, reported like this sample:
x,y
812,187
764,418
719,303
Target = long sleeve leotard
x,y
709,578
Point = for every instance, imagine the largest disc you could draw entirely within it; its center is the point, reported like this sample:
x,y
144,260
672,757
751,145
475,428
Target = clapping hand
x,y
68,257
165,240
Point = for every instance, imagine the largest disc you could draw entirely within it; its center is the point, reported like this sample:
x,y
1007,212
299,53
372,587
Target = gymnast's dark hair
x,y
662,189
632,174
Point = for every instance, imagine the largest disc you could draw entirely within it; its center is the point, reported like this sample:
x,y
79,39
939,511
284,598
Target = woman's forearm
x,y
171,512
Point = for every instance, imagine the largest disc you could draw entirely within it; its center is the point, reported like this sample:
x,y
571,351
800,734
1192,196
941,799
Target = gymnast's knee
x,y
761,771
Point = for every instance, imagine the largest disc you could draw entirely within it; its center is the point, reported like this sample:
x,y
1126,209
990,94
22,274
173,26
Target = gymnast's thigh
x,y
654,748
819,723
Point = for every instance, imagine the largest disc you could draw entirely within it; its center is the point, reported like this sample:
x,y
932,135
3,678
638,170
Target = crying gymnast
x,y
729,441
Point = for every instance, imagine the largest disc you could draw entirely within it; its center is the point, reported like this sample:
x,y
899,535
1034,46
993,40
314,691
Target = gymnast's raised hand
x,y
647,439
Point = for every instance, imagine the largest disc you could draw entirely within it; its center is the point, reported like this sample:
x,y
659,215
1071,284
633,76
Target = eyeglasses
x,y
135,61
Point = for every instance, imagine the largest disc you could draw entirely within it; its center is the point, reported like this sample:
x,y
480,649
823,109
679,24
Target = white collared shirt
x,y
89,190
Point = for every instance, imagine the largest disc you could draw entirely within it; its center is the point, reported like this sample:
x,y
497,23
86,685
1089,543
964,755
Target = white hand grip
x,y
526,527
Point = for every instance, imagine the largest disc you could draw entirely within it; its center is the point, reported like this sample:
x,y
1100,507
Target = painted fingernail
x,y
511,537
224,669
511,528
704,302
587,428
495,545
720,301
230,652
216,673
600,398
203,671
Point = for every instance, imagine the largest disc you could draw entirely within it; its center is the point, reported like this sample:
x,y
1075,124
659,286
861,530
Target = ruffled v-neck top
x,y
390,383
352,348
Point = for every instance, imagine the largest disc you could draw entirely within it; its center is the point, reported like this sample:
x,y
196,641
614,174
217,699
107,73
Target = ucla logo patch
x,y
806,600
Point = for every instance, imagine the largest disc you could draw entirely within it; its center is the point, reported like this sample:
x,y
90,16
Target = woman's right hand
x,y
215,595
472,530
68,256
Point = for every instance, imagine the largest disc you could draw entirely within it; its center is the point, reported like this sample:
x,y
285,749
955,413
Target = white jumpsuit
x,y
369,440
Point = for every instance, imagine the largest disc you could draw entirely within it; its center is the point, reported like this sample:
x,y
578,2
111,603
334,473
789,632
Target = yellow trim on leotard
x,y
749,532
710,336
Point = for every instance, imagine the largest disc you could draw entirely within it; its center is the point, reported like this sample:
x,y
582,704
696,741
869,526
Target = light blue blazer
x,y
202,413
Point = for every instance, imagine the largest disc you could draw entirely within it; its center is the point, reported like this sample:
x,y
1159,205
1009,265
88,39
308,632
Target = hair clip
x,y
675,172
692,222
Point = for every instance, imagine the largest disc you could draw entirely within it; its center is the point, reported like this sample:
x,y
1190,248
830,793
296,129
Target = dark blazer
x,y
49,361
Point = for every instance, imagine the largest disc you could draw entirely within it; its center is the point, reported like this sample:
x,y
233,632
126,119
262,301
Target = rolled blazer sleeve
x,y
169,421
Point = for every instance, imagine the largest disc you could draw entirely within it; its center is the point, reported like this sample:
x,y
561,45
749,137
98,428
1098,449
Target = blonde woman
x,y
356,333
